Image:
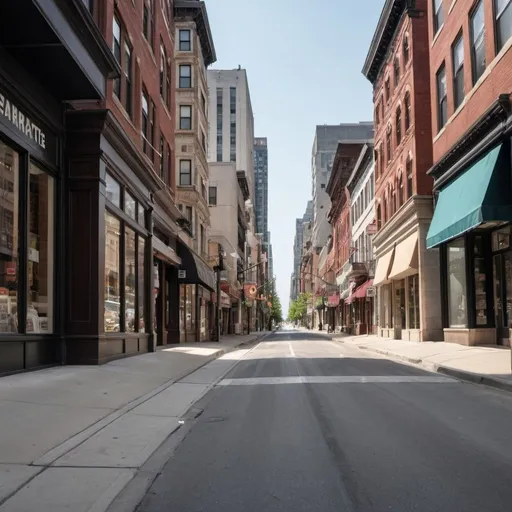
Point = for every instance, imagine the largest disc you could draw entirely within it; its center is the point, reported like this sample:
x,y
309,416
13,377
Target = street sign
x,y
371,229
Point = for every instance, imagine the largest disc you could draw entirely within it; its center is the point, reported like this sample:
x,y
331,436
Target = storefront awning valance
x,y
360,292
196,270
481,194
383,268
405,262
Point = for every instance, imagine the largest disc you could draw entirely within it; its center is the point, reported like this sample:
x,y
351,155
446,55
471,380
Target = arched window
x,y
408,172
400,189
407,106
406,49
398,125
393,201
388,143
376,158
379,218
396,70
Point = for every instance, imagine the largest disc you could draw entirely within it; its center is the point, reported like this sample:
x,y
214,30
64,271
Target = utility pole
x,y
218,310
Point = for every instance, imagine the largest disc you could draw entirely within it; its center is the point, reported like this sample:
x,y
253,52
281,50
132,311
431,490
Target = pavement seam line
x,y
150,476
464,375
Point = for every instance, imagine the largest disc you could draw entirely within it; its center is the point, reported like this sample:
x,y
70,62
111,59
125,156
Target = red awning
x,y
359,293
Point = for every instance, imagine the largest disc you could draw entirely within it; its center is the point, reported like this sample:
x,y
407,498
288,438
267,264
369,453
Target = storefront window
x,y
113,191
9,214
457,296
112,273
141,216
501,239
183,313
414,302
40,252
141,283
480,283
129,280
130,206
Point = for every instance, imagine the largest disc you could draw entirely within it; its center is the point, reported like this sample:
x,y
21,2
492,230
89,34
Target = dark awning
x,y
481,194
59,43
196,269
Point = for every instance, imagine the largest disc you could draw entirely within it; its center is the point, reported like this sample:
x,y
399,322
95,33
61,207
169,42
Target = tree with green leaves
x,y
299,307
276,312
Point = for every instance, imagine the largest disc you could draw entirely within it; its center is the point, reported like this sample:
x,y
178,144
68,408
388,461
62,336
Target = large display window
x,y
125,244
31,309
456,274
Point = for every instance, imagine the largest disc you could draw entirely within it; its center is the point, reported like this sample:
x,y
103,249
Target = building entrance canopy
x,y
481,194
383,269
196,270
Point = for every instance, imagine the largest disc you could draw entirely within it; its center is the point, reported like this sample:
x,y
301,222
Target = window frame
x,y
407,111
457,73
180,40
474,38
398,125
497,17
406,49
181,77
389,135
438,15
185,173
148,22
183,118
396,70
442,98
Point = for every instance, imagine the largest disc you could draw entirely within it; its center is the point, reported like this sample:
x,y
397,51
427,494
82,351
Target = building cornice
x,y
197,11
387,25
476,140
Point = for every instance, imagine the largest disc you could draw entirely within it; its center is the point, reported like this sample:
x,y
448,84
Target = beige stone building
x,y
194,52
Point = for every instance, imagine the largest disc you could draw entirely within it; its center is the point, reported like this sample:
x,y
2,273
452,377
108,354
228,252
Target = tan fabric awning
x,y
406,258
382,268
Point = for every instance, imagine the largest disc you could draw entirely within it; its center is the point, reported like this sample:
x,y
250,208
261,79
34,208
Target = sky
x,y
303,60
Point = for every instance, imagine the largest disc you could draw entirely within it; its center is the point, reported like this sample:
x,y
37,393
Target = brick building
x,y
471,81
349,274
406,274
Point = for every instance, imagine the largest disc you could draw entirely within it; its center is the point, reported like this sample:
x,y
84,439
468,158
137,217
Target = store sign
x,y
17,118
371,291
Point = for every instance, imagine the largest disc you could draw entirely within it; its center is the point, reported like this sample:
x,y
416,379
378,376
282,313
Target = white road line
x,y
292,352
349,379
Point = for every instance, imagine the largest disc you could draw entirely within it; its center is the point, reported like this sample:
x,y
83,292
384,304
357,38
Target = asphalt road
x,y
303,423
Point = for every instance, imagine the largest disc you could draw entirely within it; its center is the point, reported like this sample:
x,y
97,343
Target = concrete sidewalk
x,y
488,365
112,413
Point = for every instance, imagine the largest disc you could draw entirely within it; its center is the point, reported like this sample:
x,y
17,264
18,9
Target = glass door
x,y
502,268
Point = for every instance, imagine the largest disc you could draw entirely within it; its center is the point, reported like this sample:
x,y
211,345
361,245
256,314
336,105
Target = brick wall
x,y
496,80
146,70
415,142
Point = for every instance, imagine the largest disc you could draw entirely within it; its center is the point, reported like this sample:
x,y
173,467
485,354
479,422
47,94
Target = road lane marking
x,y
292,352
348,379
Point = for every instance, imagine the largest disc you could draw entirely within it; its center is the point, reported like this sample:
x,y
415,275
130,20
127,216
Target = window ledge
x,y
125,114
438,33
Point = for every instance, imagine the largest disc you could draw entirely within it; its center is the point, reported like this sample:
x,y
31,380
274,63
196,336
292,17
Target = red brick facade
x,y
403,147
145,72
495,80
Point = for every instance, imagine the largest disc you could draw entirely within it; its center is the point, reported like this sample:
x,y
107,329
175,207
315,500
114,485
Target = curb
x,y
473,378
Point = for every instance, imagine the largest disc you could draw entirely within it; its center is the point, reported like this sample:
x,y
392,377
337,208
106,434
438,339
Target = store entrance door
x,y
502,270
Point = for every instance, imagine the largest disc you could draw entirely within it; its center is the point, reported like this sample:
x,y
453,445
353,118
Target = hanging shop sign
x,y
371,229
182,274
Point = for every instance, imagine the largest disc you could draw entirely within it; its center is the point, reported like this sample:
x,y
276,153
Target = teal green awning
x,y
481,194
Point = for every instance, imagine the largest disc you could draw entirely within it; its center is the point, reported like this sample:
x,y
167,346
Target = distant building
x,y
261,184
298,245
324,149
